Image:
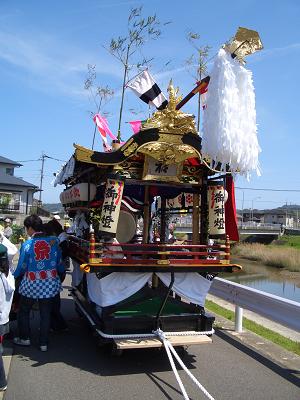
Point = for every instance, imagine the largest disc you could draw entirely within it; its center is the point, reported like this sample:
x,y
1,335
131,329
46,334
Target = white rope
x,y
152,335
140,335
182,388
193,378
168,347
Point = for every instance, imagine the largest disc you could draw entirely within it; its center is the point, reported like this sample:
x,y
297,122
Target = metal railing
x,y
23,209
259,225
285,312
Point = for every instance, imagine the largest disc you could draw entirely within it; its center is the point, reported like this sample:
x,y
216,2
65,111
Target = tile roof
x,y
14,181
4,160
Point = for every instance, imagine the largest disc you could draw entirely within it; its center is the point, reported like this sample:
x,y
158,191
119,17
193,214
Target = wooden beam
x,y
146,216
153,342
196,216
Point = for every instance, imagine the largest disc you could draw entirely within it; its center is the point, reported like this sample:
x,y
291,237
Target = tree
x,y
5,199
99,94
139,29
197,64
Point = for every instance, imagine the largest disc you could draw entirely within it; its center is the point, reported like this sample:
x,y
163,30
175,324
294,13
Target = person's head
x,y
156,237
33,223
106,237
53,227
7,222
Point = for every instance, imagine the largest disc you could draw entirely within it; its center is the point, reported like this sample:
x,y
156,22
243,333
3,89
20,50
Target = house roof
x,y
14,181
4,160
278,212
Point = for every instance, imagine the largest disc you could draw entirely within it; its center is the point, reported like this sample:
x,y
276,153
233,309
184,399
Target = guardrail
x,y
260,226
285,312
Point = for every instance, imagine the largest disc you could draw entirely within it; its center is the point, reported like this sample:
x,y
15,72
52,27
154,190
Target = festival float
x,y
136,284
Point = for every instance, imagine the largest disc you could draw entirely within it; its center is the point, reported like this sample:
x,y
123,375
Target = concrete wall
x,y
287,221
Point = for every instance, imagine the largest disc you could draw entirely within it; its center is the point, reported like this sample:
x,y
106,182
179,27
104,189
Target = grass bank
x,y
288,241
266,333
280,256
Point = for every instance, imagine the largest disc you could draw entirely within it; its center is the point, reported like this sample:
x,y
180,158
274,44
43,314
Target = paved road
x,y
75,368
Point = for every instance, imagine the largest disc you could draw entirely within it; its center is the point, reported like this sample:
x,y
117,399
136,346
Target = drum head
x,y
126,227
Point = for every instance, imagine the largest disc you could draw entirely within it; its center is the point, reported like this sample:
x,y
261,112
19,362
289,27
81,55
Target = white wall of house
x,y
285,220
7,168
24,194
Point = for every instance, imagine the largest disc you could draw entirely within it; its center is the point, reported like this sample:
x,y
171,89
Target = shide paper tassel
x,y
229,124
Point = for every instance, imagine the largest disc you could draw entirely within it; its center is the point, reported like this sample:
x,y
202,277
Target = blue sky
x,y
45,48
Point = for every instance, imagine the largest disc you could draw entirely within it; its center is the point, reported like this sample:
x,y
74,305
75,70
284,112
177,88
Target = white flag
x,y
147,90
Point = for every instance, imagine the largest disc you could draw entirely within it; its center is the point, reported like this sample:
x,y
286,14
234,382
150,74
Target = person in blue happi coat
x,y
40,265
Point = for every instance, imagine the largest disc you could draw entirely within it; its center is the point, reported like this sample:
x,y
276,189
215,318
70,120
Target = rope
x,y
168,347
141,335
166,342
154,334
182,388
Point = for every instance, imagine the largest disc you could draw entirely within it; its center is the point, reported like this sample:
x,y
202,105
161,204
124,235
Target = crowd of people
x,y
37,278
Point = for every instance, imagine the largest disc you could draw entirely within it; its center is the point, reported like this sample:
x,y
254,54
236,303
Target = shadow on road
x,y
288,374
78,348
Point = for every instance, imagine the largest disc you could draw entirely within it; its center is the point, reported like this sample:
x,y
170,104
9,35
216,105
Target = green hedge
x,y
17,232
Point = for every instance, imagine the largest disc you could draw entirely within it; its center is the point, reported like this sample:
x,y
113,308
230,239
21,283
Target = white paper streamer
x,y
229,124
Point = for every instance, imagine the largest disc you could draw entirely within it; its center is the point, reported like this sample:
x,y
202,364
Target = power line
x,y
269,190
42,175
28,160
263,201
52,158
40,159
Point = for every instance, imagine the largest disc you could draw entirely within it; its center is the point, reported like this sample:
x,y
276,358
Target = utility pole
x,y
42,177
43,156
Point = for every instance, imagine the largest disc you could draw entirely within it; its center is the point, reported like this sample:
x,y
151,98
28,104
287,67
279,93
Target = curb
x,y
267,323
278,354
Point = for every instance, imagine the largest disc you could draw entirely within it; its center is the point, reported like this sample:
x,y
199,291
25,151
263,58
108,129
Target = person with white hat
x,y
7,232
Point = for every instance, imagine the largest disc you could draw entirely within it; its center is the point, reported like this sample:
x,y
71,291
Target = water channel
x,y
267,279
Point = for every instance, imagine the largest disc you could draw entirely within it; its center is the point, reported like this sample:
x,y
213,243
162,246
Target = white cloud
x,y
50,66
275,52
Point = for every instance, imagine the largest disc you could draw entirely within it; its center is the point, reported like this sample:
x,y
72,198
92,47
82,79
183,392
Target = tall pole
x,y
42,177
99,106
243,209
123,91
199,104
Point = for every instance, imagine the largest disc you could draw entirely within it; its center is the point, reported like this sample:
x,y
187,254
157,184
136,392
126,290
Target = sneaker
x,y
44,347
21,342
3,388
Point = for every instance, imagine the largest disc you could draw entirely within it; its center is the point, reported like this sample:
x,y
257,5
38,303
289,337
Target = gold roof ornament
x,y
244,43
171,120
168,152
